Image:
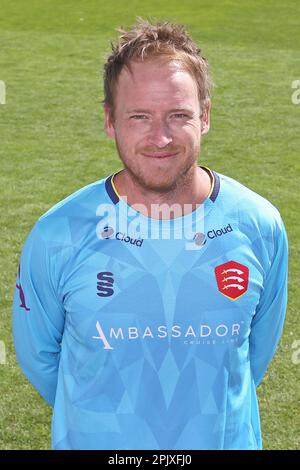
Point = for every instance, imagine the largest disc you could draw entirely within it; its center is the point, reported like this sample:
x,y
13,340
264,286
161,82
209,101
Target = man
x,y
149,304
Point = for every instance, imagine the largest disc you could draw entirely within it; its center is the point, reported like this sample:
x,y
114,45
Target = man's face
x,y
157,125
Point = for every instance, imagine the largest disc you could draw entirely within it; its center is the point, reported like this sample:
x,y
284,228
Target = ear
x,y
108,122
205,117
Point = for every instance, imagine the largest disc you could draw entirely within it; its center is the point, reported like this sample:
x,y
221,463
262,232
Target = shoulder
x,y
70,216
87,196
251,209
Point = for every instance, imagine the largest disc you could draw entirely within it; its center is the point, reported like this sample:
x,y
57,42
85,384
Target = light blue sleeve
x,y
38,317
267,323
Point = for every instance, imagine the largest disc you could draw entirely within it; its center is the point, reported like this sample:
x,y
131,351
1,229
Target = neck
x,y
185,198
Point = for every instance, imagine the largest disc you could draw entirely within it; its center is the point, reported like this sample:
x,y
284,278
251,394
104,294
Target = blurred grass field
x,y
52,143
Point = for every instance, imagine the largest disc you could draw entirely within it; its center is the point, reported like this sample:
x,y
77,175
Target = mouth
x,y
159,155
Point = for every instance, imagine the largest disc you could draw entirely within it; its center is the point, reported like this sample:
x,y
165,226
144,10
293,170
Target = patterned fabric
x,y
152,334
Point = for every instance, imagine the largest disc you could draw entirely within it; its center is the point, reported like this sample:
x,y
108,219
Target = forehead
x,y
153,82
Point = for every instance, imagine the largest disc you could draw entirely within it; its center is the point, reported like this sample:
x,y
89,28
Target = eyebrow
x,y
145,111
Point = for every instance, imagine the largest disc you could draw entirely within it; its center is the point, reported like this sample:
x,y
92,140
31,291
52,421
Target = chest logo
x,y
105,284
232,279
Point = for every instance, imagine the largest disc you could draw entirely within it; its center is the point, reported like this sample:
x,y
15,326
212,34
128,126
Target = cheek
x,y
136,139
132,131
128,140
191,134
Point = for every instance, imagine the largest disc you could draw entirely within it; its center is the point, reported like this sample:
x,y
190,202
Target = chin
x,y
160,181
163,185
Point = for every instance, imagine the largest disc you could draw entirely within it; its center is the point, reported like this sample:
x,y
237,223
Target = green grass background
x,y
52,143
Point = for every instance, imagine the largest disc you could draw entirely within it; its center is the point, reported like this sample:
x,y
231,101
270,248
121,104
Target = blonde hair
x,y
162,40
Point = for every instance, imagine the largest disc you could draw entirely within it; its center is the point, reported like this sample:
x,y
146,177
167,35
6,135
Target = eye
x,y
138,117
180,116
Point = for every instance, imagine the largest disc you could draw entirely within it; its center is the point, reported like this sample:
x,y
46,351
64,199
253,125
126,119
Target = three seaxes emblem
x,y
232,279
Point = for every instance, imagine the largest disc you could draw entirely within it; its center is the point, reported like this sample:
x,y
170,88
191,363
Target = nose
x,y
160,134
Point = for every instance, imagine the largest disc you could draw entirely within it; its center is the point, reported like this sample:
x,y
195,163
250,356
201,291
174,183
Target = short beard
x,y
184,179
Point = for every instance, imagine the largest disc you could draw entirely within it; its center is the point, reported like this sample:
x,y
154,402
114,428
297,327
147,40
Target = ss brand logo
x,y
105,284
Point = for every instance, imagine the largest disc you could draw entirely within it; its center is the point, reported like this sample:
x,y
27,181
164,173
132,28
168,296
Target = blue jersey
x,y
147,333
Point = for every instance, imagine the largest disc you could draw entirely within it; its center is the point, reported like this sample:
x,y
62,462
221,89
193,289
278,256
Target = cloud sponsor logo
x,y
109,233
211,234
200,239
